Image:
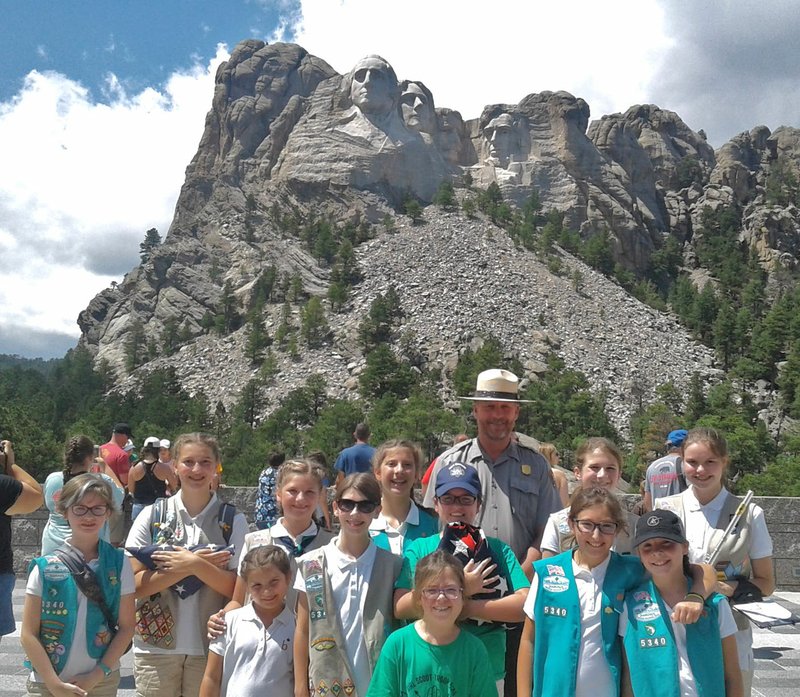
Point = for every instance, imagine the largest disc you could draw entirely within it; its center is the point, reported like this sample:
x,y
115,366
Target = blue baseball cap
x,y
458,475
676,438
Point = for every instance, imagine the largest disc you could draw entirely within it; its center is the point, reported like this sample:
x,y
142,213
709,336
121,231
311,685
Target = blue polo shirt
x,y
356,458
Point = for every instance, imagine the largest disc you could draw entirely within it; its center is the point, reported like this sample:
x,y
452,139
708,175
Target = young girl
x,y
457,501
78,459
396,466
254,656
171,618
550,453
705,509
433,656
149,478
663,656
344,609
598,464
569,645
72,647
298,490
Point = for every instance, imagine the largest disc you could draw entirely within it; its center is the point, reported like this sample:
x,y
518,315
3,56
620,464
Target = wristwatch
x,y
106,670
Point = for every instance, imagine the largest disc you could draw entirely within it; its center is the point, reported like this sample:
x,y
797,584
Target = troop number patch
x,y
652,642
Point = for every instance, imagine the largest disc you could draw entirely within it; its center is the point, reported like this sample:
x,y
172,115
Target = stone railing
x,y
783,518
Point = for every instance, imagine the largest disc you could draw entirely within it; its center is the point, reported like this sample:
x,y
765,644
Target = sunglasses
x,y
348,506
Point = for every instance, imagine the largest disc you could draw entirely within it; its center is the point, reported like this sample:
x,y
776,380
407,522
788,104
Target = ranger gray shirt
x,y
517,491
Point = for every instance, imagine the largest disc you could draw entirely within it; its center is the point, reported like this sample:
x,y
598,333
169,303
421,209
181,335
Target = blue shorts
x,y
7,623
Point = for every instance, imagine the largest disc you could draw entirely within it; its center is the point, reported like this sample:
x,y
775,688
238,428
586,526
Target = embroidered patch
x,y
312,566
314,583
336,688
55,572
349,688
155,624
650,629
645,612
322,688
652,643
555,611
555,584
640,596
526,469
324,643
554,570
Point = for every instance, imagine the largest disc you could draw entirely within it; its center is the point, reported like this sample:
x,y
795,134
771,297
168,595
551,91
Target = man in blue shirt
x,y
356,458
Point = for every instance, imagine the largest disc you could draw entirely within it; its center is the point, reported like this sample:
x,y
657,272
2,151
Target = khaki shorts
x,y
168,675
107,687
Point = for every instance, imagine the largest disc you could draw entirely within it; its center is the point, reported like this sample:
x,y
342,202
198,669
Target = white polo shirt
x,y
395,535
258,660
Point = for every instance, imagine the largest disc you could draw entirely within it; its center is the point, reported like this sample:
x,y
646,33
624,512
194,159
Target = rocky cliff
x,y
288,141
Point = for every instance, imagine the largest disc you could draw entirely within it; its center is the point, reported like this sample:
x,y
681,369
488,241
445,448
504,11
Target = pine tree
x,y
151,240
314,327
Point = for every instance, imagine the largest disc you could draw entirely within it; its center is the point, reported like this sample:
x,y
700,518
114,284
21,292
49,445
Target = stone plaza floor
x,y
777,655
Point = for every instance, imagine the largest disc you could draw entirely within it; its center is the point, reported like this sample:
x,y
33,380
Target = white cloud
x,y
471,54
85,180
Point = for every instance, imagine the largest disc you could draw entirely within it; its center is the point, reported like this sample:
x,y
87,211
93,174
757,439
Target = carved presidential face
x,y
501,138
417,109
374,86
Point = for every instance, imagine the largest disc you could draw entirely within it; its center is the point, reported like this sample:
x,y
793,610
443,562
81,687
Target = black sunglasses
x,y
348,505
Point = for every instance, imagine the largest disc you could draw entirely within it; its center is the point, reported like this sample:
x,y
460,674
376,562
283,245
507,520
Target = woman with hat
x,y
744,563
149,478
495,586
665,657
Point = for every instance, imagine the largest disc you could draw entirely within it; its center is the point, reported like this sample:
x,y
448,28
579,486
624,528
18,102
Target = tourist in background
x,y
550,453
78,459
150,478
664,477
356,458
266,508
19,494
117,456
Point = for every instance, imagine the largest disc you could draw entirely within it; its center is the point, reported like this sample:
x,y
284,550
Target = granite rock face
x,y
288,141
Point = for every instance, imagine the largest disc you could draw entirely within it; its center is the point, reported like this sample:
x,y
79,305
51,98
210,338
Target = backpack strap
x,y
158,517
225,516
682,483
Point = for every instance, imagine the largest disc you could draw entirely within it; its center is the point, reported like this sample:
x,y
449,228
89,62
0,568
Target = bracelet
x,y
695,596
106,670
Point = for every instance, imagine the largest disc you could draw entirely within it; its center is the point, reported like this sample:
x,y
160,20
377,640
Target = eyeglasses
x,y
451,593
348,506
96,511
465,500
589,526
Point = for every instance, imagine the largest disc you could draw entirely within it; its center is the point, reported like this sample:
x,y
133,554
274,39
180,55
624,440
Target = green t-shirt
x,y
491,634
411,667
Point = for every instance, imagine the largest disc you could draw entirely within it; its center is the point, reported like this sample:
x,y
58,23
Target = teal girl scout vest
x,y
557,614
652,651
60,606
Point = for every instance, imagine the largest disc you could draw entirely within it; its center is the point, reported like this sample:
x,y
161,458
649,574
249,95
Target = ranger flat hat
x,y
496,385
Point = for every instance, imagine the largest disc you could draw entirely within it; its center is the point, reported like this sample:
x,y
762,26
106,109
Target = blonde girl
x,y
298,491
433,655
550,453
598,463
71,644
705,509
254,656
344,609
170,644
396,465
78,459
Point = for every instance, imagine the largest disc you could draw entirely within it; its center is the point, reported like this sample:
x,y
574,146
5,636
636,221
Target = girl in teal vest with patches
x,y
570,645
666,658
70,644
396,465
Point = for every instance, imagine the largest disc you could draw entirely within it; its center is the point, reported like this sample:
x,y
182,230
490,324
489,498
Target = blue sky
x,y
102,103
140,41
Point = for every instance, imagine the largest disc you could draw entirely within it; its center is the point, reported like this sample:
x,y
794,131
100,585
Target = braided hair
x,y
78,449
